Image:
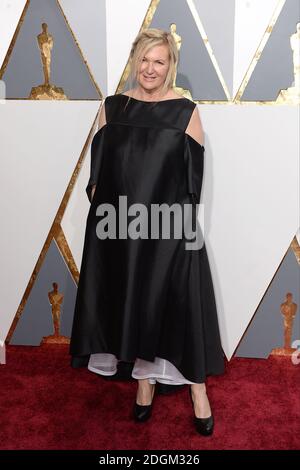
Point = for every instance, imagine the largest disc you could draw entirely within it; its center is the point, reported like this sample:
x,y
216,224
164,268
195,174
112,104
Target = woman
x,y
147,299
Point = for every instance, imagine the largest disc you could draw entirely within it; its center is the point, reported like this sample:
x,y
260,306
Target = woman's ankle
x,y
198,389
145,391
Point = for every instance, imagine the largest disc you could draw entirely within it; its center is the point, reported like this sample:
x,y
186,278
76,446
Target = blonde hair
x,y
144,41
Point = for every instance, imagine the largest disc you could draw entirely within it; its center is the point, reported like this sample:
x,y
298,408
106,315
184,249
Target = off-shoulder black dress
x,y
146,300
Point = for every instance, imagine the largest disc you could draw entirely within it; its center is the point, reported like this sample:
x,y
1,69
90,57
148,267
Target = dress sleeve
x,y
194,162
97,154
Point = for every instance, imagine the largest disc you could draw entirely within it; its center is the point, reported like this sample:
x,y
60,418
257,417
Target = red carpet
x,y
45,404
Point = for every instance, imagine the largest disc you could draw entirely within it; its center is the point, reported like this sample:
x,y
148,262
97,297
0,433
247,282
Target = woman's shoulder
x,y
111,98
112,105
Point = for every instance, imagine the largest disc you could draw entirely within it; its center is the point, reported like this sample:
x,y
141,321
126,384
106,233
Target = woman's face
x,y
154,68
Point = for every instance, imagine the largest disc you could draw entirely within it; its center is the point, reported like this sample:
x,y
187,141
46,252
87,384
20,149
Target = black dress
x,y
146,299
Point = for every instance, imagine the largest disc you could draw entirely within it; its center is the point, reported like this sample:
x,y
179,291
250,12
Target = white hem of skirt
x,y
160,370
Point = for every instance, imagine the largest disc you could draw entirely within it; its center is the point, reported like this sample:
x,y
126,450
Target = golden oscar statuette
x,y
55,299
47,91
178,41
292,94
288,311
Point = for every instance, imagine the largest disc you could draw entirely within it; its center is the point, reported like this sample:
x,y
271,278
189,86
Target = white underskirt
x,y
160,370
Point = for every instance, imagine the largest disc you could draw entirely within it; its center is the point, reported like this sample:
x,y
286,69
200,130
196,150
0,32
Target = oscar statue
x,y
46,91
288,310
55,299
292,94
178,42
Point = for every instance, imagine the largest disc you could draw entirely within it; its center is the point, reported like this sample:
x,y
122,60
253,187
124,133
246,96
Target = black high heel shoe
x,y
204,426
142,413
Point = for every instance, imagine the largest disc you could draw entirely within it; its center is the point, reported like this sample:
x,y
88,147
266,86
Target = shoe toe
x,y
142,412
204,426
